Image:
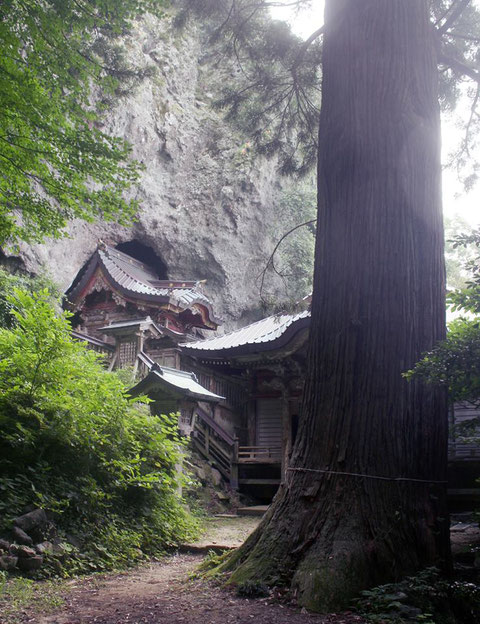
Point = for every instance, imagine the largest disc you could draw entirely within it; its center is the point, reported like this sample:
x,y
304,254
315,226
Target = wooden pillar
x,y
234,466
140,340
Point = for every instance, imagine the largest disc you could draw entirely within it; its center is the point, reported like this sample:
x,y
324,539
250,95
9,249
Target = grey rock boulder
x,y
36,519
44,547
30,564
21,537
4,545
216,477
201,474
8,562
13,549
24,552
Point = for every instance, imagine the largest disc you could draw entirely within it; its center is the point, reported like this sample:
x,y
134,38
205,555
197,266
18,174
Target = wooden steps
x,y
254,510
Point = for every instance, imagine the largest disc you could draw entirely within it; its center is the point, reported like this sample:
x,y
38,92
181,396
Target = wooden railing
x,y
464,451
93,343
217,445
213,450
223,450
257,454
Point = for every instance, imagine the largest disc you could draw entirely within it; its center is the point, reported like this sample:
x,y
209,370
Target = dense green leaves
x,y
455,362
426,597
10,281
72,442
55,161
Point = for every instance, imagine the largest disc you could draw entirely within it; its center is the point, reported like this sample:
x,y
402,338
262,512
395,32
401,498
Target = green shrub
x,y
252,589
72,442
10,281
426,597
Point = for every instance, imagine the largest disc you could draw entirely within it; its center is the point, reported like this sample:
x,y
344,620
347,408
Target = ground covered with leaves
x,y
173,590
165,591
168,590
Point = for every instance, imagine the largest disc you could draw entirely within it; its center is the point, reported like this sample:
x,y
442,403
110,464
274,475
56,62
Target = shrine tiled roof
x,y
138,280
137,277
177,382
263,332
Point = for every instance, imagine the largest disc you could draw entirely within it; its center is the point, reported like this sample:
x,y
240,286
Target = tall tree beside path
x,y
55,161
365,497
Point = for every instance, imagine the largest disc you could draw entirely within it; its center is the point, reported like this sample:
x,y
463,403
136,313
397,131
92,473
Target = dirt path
x,y
163,593
170,592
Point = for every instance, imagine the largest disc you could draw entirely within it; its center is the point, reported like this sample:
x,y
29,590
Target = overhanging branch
x,y
458,8
459,66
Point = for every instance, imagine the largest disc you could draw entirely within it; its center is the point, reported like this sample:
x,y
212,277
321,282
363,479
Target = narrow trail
x,y
163,593
170,592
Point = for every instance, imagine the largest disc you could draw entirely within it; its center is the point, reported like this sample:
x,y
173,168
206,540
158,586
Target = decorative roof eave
x,y
156,380
198,308
76,293
296,332
95,342
277,353
123,327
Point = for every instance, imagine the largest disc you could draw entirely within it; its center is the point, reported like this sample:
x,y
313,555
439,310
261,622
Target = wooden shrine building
x,y
259,369
122,307
238,395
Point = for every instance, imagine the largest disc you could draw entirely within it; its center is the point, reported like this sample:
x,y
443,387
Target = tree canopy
x,y
277,92
59,59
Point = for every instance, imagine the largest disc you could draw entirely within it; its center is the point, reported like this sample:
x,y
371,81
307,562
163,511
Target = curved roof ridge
x,y
264,330
109,249
135,277
102,252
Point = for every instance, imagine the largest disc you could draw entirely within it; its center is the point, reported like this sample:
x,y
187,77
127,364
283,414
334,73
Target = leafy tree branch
x,y
56,164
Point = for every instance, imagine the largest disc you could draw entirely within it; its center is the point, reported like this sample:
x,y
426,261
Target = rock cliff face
x,y
207,204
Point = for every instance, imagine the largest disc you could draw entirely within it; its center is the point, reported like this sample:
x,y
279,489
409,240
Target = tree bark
x,y
378,303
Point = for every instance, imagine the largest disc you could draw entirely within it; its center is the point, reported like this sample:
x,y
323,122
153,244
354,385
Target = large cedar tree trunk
x,y
378,304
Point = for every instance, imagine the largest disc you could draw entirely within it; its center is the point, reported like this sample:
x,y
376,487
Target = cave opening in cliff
x,y
145,254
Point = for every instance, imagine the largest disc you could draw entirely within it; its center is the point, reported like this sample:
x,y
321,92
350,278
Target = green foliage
x,y
455,362
252,589
457,256
212,560
270,82
426,597
467,299
72,442
55,162
9,281
295,255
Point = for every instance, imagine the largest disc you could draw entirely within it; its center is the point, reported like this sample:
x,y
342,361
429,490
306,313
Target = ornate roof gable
x,y
131,280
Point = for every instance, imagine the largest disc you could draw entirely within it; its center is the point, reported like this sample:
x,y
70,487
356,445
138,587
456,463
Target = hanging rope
x,y
367,476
